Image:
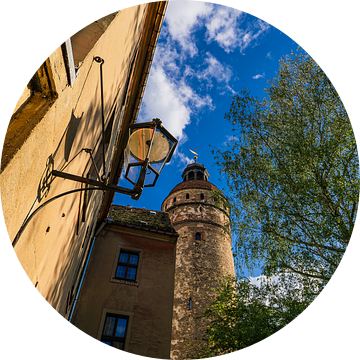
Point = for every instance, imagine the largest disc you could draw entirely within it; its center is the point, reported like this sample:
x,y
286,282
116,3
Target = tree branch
x,y
308,244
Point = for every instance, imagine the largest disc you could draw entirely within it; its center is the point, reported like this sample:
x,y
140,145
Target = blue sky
x,y
206,53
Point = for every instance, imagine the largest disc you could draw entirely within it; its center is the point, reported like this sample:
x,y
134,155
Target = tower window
x,y
187,196
190,304
191,175
201,196
174,200
198,236
200,175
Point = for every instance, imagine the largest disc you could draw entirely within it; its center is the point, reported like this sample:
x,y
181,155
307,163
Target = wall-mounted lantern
x,y
149,147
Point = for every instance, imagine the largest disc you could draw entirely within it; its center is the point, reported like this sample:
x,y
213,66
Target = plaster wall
x,y
56,238
148,300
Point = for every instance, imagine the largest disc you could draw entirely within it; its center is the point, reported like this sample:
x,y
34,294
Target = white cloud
x,y
251,34
182,18
183,158
229,139
268,55
222,27
215,69
163,100
170,94
172,101
258,76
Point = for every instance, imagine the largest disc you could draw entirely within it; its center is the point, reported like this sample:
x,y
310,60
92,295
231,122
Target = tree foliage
x,y
244,313
292,173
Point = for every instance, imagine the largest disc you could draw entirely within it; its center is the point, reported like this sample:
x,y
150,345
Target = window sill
x,y
125,282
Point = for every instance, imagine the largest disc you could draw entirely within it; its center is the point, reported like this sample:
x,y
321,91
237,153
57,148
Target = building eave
x,y
142,231
149,37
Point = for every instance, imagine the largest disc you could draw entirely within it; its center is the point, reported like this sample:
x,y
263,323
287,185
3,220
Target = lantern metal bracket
x,y
101,182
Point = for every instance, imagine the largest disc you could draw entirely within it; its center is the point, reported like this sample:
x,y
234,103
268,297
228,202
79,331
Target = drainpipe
x,y
85,268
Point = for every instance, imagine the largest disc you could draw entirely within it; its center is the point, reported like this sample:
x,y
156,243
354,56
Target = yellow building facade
x,y
100,73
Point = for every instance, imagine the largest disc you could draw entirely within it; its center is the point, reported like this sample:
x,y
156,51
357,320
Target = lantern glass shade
x,y
149,148
140,141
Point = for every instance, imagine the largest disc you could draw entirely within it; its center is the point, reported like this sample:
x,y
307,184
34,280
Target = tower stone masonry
x,y
203,255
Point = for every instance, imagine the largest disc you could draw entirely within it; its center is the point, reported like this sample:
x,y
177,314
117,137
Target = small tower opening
x,y
201,196
190,304
187,196
174,200
198,236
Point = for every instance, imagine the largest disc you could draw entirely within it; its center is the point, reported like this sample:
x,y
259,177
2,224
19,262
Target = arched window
x,y
190,304
201,196
198,236
187,196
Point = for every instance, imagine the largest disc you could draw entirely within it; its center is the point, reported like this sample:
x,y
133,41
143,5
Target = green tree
x,y
292,173
244,313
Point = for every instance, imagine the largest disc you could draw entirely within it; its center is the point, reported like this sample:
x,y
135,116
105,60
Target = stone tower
x,y
203,254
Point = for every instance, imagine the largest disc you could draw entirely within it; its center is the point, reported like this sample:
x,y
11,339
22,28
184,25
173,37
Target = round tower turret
x,y
203,254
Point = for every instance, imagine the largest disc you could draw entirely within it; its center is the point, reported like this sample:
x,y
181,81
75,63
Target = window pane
x,y
123,257
120,272
109,325
118,344
106,342
131,274
133,259
120,328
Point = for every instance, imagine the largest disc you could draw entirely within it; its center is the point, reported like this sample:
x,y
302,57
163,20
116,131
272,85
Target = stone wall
x,y
200,263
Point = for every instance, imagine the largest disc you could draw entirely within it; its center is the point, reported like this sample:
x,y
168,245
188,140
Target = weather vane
x,y
196,154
